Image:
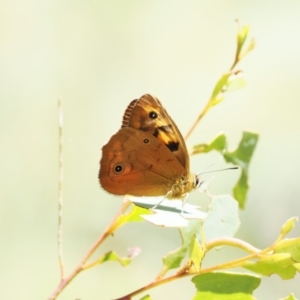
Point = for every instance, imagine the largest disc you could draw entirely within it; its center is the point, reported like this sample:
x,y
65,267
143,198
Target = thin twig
x,y
200,116
80,267
234,242
205,109
237,59
60,188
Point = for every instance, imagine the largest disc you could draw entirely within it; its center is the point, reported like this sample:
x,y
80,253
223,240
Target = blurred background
x,y
98,56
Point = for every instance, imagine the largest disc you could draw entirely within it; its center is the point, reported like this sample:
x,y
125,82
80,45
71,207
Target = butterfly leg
x,y
166,196
199,184
203,185
183,203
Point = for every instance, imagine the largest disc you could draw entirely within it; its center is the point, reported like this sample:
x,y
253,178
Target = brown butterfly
x,y
148,155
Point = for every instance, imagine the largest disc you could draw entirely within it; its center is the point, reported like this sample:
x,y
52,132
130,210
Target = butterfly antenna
x,y
209,166
232,168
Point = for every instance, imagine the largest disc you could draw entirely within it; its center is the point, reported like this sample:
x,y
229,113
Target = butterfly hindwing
x,y
136,162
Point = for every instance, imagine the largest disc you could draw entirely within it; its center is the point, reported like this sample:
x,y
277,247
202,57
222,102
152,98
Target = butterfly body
x,y
147,156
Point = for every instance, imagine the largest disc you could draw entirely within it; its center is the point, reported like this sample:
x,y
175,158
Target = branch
x,y
81,266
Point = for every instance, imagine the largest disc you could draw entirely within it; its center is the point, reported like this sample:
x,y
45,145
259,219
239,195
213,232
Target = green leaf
x,y
218,144
285,261
288,226
240,190
291,246
219,88
280,264
290,297
111,255
225,286
250,47
174,258
241,38
147,297
219,98
242,157
236,82
196,255
131,216
222,219
297,267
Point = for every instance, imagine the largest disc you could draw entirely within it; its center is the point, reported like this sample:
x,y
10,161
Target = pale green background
x,y
98,56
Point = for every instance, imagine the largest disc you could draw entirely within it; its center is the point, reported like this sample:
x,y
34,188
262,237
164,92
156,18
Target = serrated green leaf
x,y
288,226
290,297
174,258
196,255
225,286
241,157
222,219
291,246
280,264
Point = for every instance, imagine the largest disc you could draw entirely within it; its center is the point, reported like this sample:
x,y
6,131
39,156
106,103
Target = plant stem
x,y
60,188
232,242
184,272
200,116
237,59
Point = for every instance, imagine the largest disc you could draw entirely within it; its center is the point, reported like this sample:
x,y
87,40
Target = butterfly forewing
x,y
147,114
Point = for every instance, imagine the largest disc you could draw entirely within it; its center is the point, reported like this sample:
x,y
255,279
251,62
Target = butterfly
x,y
148,155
